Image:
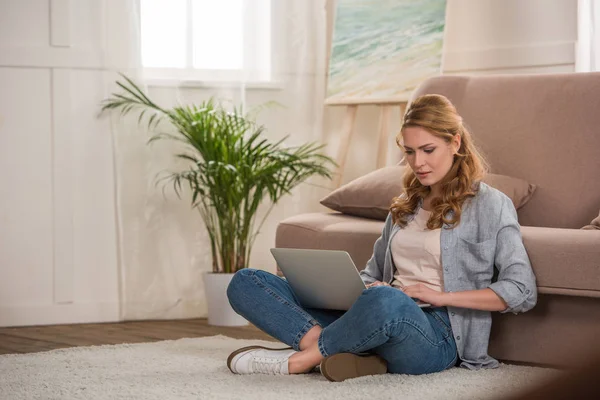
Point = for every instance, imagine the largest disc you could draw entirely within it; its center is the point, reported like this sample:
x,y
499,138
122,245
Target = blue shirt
x,y
487,240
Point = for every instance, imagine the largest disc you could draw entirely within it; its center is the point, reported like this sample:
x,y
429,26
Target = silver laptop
x,y
326,279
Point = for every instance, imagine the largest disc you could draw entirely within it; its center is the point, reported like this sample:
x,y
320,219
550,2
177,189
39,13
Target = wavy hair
x,y
438,116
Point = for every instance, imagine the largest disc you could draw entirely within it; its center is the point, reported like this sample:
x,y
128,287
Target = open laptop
x,y
326,279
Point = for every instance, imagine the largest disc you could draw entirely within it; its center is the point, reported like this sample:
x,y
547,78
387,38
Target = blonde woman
x,y
442,242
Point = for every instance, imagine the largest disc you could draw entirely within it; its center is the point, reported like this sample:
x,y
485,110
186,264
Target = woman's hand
x,y
425,294
377,283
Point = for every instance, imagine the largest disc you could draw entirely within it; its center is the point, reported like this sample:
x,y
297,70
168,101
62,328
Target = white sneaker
x,y
260,360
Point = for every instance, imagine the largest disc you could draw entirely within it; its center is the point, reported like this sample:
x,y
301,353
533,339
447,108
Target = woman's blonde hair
x,y
438,116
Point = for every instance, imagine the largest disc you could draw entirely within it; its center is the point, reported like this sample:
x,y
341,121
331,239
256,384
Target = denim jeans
x,y
382,321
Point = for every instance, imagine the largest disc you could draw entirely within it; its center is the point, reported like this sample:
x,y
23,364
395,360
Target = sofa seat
x,y
565,261
330,231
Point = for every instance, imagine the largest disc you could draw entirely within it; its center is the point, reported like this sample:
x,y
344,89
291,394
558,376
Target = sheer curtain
x,y
588,32
158,239
163,245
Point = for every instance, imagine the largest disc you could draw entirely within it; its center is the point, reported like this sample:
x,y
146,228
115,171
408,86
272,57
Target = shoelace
x,y
267,365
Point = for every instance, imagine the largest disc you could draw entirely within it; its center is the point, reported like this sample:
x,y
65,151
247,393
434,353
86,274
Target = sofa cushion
x,y
370,195
518,190
331,231
565,261
595,224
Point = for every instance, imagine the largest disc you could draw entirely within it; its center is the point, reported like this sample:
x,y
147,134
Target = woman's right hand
x,y
376,283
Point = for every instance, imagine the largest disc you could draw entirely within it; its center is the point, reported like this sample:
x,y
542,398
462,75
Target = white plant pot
x,y
220,312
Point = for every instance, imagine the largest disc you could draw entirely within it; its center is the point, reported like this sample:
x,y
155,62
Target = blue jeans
x,y
382,321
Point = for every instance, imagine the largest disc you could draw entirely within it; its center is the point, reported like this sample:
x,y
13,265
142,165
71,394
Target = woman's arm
x,y
516,283
514,291
483,299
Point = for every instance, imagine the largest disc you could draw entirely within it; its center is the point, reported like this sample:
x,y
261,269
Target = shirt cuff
x,y
511,294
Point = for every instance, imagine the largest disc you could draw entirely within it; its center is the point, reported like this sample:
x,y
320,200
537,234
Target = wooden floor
x,y
32,339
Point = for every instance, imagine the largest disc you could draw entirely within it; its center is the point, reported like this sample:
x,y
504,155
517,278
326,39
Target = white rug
x,y
196,369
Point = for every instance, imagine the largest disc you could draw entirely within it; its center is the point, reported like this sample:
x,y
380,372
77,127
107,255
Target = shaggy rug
x,y
196,369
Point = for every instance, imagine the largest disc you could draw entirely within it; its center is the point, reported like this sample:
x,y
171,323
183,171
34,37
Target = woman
x,y
441,241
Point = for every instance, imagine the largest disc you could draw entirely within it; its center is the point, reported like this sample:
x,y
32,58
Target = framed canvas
x,y
382,49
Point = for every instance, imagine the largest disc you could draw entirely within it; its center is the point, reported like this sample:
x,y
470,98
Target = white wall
x,y
481,37
57,215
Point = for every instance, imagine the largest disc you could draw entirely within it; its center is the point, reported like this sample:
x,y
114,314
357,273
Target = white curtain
x,y
156,235
588,32
163,246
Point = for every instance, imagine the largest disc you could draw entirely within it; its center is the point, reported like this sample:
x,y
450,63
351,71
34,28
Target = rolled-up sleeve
x,y
516,283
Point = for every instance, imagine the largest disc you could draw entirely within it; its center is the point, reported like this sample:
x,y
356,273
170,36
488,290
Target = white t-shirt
x,y
416,254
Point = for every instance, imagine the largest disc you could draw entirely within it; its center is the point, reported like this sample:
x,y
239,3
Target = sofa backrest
x,y
544,129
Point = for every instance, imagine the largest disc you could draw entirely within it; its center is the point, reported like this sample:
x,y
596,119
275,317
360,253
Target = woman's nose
x,y
418,159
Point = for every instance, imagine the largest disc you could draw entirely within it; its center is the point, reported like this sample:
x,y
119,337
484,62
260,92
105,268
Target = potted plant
x,y
232,169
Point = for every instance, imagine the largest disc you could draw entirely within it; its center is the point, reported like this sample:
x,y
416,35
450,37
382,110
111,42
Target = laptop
x,y
326,279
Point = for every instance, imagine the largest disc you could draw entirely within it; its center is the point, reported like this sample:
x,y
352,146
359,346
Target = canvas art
x,y
382,49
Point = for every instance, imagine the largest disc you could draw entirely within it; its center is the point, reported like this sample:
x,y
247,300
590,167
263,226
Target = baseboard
x,y
165,309
81,313
57,314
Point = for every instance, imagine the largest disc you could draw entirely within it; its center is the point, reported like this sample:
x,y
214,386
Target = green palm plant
x,y
233,167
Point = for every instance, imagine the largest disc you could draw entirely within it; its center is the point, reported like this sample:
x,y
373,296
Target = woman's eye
x,y
428,151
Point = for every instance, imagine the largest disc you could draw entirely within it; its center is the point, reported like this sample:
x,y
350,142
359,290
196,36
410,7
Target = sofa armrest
x,y
565,261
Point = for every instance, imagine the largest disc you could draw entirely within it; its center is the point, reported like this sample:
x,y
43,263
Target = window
x,y
206,40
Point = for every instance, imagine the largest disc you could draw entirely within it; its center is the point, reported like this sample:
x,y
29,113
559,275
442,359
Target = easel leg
x,y
347,131
384,127
402,111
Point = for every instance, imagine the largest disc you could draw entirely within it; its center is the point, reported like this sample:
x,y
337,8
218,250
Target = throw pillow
x,y
518,190
370,195
595,224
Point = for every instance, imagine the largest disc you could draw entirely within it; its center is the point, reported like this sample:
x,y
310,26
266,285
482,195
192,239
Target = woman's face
x,y
428,156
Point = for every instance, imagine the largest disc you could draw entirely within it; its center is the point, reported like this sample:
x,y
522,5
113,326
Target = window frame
x,y
257,75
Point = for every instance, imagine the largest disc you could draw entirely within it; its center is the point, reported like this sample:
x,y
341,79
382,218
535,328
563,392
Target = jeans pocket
x,y
444,326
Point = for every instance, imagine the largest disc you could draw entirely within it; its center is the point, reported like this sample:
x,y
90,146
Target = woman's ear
x,y
456,143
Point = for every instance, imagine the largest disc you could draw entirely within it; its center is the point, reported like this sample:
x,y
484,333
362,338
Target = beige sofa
x,y
544,129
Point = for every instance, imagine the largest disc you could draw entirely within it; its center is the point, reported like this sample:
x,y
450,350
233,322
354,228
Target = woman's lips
x,y
423,175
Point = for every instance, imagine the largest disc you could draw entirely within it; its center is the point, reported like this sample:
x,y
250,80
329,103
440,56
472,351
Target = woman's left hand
x,y
425,294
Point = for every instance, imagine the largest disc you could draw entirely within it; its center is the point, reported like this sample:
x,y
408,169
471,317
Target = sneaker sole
x,y
238,351
342,366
